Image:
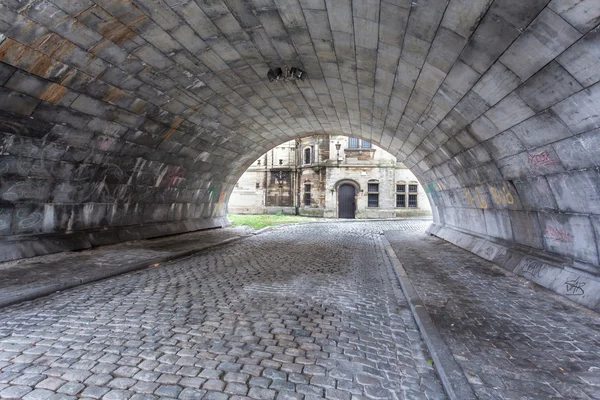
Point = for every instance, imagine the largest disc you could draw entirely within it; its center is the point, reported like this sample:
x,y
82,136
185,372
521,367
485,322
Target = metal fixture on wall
x,y
280,177
337,147
286,74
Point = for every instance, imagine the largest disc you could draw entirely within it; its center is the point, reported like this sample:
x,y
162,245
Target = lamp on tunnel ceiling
x,y
274,74
286,74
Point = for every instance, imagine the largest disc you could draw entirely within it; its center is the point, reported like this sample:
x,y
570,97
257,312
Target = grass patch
x,y
262,221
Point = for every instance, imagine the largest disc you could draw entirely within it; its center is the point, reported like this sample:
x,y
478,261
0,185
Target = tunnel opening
x,y
329,176
135,119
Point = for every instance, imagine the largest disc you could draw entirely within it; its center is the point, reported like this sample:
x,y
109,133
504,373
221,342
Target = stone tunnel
x,y
133,119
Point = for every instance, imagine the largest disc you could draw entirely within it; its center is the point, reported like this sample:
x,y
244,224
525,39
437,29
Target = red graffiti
x,y
174,177
558,235
540,160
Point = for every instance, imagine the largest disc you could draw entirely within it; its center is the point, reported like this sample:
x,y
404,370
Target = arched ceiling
x,y
116,113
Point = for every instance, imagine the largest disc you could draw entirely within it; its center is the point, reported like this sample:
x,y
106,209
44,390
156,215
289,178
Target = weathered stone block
x,y
16,102
569,235
577,191
581,112
509,112
581,59
582,14
549,86
547,36
541,130
580,152
491,38
6,71
504,145
526,229
535,194
498,224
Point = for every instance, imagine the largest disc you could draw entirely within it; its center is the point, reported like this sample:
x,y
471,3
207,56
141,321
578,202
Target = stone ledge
x,y
17,247
451,374
552,272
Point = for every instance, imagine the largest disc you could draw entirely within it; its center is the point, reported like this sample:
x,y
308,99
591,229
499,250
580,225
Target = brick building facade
x,y
329,176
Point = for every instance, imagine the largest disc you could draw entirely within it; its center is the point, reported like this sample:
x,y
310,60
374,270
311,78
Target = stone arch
x,y
145,133
347,182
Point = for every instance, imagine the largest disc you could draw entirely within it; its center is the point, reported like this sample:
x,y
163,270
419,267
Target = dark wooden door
x,y
346,201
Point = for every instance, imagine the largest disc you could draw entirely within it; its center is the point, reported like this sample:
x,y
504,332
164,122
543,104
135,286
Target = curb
x,y
32,293
453,379
263,230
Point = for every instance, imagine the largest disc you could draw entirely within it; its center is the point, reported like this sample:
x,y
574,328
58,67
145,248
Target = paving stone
x,y
38,394
168,391
215,396
191,394
117,394
27,379
71,388
236,388
50,384
213,385
144,387
261,393
15,392
121,383
285,395
94,392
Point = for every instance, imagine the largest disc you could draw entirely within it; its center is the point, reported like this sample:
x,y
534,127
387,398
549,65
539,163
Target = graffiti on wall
x,y
575,286
539,160
4,219
27,221
501,196
535,269
171,177
20,190
558,235
433,190
477,201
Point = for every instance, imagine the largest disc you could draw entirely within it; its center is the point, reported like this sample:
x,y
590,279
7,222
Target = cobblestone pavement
x,y
305,311
24,278
513,340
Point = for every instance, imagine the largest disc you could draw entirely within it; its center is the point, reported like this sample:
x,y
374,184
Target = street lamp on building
x,y
337,147
280,177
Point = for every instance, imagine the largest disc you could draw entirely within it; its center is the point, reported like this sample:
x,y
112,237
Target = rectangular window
x,y
307,194
412,201
373,195
412,188
353,143
366,145
401,188
307,155
401,200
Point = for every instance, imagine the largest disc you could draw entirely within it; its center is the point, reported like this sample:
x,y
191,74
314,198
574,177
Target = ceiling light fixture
x,y
286,74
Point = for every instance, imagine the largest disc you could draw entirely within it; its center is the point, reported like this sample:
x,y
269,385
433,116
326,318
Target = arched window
x,y
307,155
